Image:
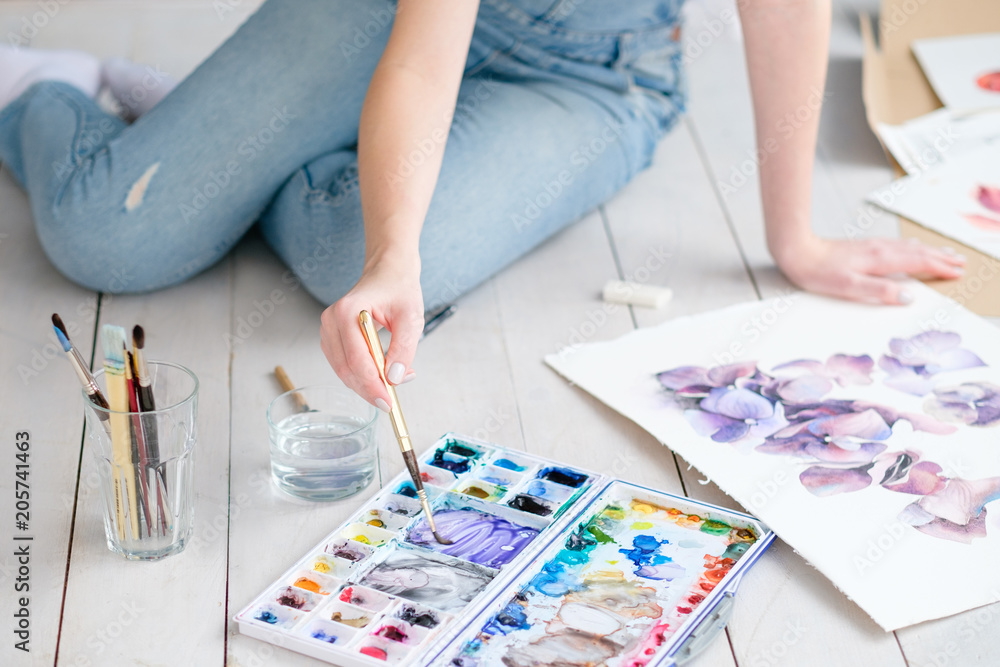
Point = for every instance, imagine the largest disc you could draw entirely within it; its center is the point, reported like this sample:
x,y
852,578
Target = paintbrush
x,y
82,371
139,454
144,397
286,385
113,340
396,417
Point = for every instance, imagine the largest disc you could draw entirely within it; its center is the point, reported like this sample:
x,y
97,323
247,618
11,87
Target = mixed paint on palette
x,y
614,591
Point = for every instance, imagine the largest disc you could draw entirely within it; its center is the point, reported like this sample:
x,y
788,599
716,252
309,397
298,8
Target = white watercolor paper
x,y
963,70
939,136
959,198
867,437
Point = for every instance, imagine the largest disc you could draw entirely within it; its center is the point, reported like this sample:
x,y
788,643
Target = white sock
x,y
20,68
137,88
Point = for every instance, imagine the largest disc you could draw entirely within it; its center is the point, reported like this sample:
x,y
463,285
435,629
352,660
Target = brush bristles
x,y
58,324
113,343
138,337
66,345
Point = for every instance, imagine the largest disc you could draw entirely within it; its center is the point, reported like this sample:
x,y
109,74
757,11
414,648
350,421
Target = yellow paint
x,y
321,566
642,525
362,539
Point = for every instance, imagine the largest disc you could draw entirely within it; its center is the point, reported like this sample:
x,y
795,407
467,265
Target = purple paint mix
x,y
477,537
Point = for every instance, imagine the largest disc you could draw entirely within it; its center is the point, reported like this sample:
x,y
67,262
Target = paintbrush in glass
x,y
396,417
113,340
82,371
146,403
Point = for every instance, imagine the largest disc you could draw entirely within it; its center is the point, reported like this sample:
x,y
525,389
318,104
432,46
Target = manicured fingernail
x,y
409,376
905,297
960,258
396,372
959,271
381,405
948,249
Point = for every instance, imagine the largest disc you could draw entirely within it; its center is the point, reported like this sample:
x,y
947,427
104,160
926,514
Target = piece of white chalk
x,y
634,294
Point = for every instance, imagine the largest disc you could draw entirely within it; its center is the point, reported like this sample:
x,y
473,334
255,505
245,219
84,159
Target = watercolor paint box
x,y
550,564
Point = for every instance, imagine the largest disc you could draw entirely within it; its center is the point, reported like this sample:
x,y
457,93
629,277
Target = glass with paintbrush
x,y
141,431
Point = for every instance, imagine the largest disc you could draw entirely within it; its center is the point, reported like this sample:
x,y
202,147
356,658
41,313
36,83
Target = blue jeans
x,y
562,102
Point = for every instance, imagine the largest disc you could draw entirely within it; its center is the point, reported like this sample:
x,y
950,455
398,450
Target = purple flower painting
x,y
972,403
915,361
844,444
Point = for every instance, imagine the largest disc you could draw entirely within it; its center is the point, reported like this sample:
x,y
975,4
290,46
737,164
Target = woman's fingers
x,y
873,289
406,328
885,257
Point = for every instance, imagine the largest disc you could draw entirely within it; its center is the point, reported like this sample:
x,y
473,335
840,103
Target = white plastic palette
x,y
379,590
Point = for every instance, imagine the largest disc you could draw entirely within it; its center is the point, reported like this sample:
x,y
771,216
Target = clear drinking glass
x,y
146,477
323,444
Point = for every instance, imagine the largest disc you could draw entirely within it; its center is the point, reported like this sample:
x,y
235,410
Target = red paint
x,y
696,598
346,594
684,610
373,651
990,82
425,477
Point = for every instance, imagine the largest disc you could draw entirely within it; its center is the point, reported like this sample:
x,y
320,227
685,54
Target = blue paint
x,y
322,636
457,464
648,563
563,476
541,489
512,617
406,489
267,616
63,340
509,465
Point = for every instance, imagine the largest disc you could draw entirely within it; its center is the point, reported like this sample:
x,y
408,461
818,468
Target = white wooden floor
x,y
481,373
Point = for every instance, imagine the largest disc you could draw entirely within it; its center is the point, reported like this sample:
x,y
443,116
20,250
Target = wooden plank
x,y
119,613
36,373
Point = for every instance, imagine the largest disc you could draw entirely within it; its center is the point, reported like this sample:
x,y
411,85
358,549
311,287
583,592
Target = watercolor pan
x,y
405,599
499,476
382,519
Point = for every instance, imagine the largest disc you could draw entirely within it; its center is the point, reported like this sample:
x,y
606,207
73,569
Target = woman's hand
x,y
390,291
860,270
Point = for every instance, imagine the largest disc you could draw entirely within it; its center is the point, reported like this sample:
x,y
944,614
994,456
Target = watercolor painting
x,y
613,591
959,198
963,70
880,425
940,136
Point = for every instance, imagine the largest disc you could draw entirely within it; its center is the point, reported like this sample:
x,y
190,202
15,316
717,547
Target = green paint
x,y
713,527
599,535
